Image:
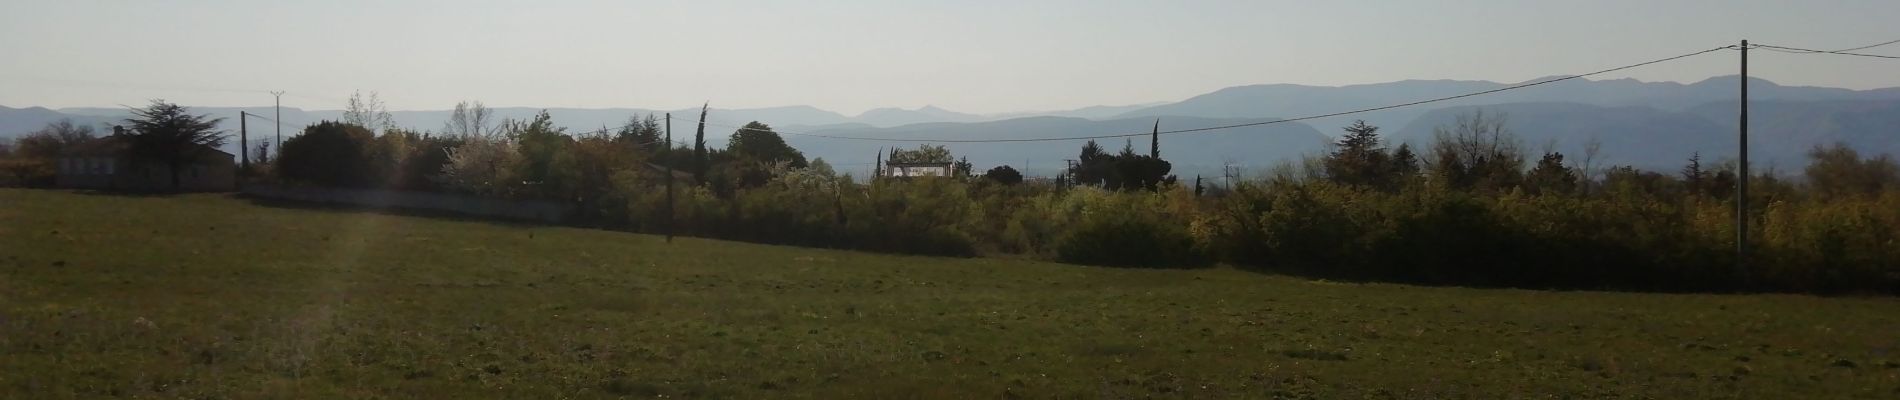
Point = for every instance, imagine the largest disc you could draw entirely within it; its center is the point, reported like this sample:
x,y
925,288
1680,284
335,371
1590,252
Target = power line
x,y
1304,118
1832,51
1872,45
1797,50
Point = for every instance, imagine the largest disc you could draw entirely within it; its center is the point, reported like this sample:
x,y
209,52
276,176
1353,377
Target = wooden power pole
x,y
666,150
244,142
1741,185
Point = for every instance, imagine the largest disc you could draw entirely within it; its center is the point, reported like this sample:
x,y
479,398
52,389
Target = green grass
x,y
207,296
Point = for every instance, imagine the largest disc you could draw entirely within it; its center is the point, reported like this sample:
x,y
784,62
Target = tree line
x,y
1471,207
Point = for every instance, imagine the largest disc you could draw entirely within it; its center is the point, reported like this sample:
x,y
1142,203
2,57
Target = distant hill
x,y
896,116
1780,132
1288,101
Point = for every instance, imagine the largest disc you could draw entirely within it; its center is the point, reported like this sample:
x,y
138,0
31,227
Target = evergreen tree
x,y
1551,176
167,133
1359,158
1692,174
1404,163
699,147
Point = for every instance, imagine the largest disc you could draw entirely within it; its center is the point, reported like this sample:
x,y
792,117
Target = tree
x,y
167,133
482,165
1838,170
1122,171
1359,158
961,169
925,153
1477,152
821,168
1004,174
1693,176
643,132
49,142
470,119
540,143
368,112
1551,176
1592,152
699,146
1404,163
329,153
262,153
756,141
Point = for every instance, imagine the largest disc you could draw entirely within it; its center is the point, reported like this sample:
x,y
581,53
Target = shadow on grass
x,y
128,193
400,211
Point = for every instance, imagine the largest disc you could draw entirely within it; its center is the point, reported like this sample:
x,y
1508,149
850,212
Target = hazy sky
x,y
848,56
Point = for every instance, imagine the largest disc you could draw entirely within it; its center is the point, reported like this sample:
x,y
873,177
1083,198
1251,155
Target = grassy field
x,y
207,296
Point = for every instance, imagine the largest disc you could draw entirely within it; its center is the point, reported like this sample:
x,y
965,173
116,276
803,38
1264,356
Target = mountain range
x,y
1652,125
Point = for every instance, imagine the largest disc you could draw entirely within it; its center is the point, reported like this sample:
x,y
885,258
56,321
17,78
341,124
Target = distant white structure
x,y
912,170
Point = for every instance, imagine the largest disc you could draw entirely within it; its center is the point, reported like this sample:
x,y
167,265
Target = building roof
x,y
117,145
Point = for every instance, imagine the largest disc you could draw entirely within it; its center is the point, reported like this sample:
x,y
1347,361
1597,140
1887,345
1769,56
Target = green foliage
x,y
1003,174
167,133
31,161
757,141
424,160
330,154
1360,159
540,144
1358,213
1122,171
925,153
1110,233
1838,171
1550,176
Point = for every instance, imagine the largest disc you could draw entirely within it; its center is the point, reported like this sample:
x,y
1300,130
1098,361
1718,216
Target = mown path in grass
x,y
211,296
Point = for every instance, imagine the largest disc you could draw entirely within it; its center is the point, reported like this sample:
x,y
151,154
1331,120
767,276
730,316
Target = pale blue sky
x,y
848,56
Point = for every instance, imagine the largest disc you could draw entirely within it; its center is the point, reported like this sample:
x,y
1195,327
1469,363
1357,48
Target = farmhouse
x,y
105,164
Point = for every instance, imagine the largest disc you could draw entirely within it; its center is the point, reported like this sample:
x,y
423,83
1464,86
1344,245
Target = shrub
x,y
330,154
1125,230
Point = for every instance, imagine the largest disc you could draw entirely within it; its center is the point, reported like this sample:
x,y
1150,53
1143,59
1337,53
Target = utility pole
x,y
666,149
244,141
1741,186
279,119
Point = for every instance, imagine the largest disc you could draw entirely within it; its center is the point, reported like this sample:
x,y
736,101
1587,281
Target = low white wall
x,y
527,210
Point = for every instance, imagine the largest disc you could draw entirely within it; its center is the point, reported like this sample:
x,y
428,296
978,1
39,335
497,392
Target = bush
x,y
1126,230
330,154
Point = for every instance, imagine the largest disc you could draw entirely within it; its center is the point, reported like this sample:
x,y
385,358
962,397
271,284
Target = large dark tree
x,y
1004,174
328,153
1359,158
167,133
699,146
1550,176
756,141
1123,171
